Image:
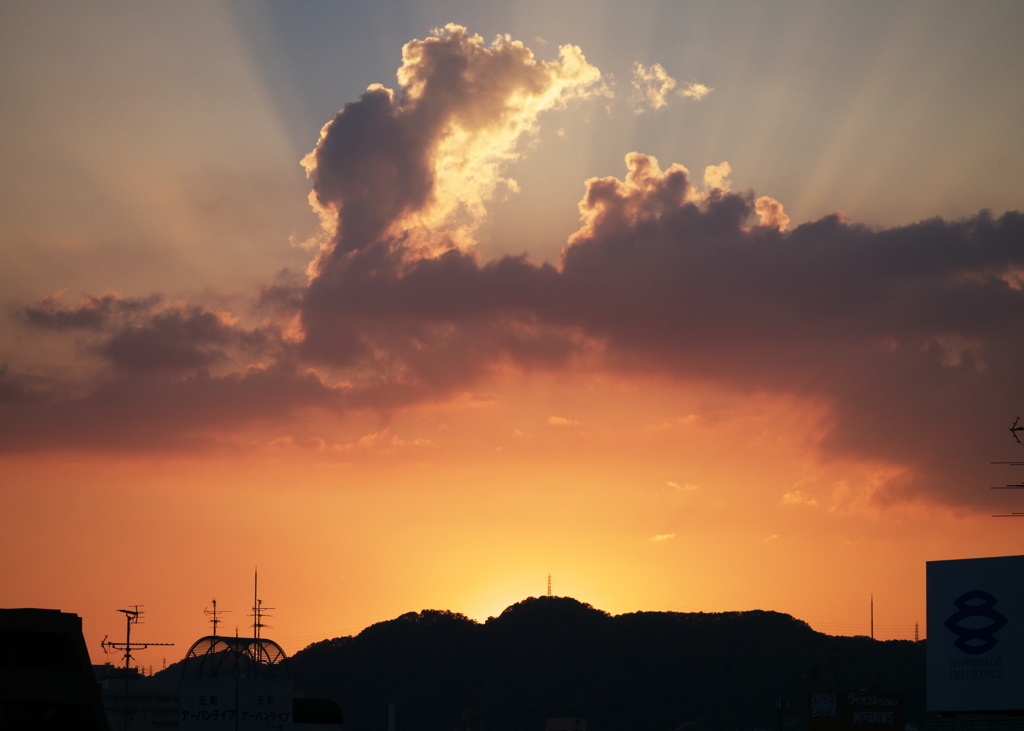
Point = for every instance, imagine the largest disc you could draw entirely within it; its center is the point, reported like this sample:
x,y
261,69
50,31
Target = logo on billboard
x,y
824,705
971,638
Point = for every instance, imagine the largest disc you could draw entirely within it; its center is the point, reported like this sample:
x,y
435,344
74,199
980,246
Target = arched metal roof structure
x,y
235,657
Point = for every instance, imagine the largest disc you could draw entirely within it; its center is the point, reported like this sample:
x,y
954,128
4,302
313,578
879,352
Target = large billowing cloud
x,y
909,336
420,163
400,179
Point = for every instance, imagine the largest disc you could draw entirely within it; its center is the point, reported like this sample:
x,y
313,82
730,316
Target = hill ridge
x,y
546,657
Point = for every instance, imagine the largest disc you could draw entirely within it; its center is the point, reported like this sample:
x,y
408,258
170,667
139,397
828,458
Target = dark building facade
x,y
46,679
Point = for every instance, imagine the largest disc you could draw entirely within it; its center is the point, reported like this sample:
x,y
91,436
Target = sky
x,y
688,306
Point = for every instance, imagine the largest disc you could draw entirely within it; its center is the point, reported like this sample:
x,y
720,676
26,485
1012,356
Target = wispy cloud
x,y
652,87
798,497
695,90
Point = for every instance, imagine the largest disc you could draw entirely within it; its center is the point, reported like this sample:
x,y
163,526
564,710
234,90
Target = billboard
x,y
976,634
227,704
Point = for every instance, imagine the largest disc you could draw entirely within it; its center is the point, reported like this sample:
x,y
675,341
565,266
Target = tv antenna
x,y
132,616
257,608
1014,428
214,615
1019,486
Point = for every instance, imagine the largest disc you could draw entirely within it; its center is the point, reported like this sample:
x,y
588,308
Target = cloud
x,y
798,497
397,441
709,285
196,412
771,213
695,90
420,163
400,180
717,176
908,337
652,87
11,393
663,537
92,313
561,421
876,323
149,335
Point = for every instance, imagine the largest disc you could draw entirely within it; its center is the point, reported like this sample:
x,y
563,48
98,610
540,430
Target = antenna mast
x,y
214,614
133,616
257,607
549,584
1013,430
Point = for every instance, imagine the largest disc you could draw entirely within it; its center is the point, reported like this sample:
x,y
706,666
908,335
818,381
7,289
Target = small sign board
x,y
856,710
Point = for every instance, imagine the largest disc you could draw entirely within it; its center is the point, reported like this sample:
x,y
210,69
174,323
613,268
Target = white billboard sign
x,y
226,704
976,634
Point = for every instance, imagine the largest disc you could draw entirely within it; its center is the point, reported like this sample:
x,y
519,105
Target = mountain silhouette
x,y
556,657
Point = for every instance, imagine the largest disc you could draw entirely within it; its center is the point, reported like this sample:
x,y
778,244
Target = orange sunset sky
x,y
691,306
